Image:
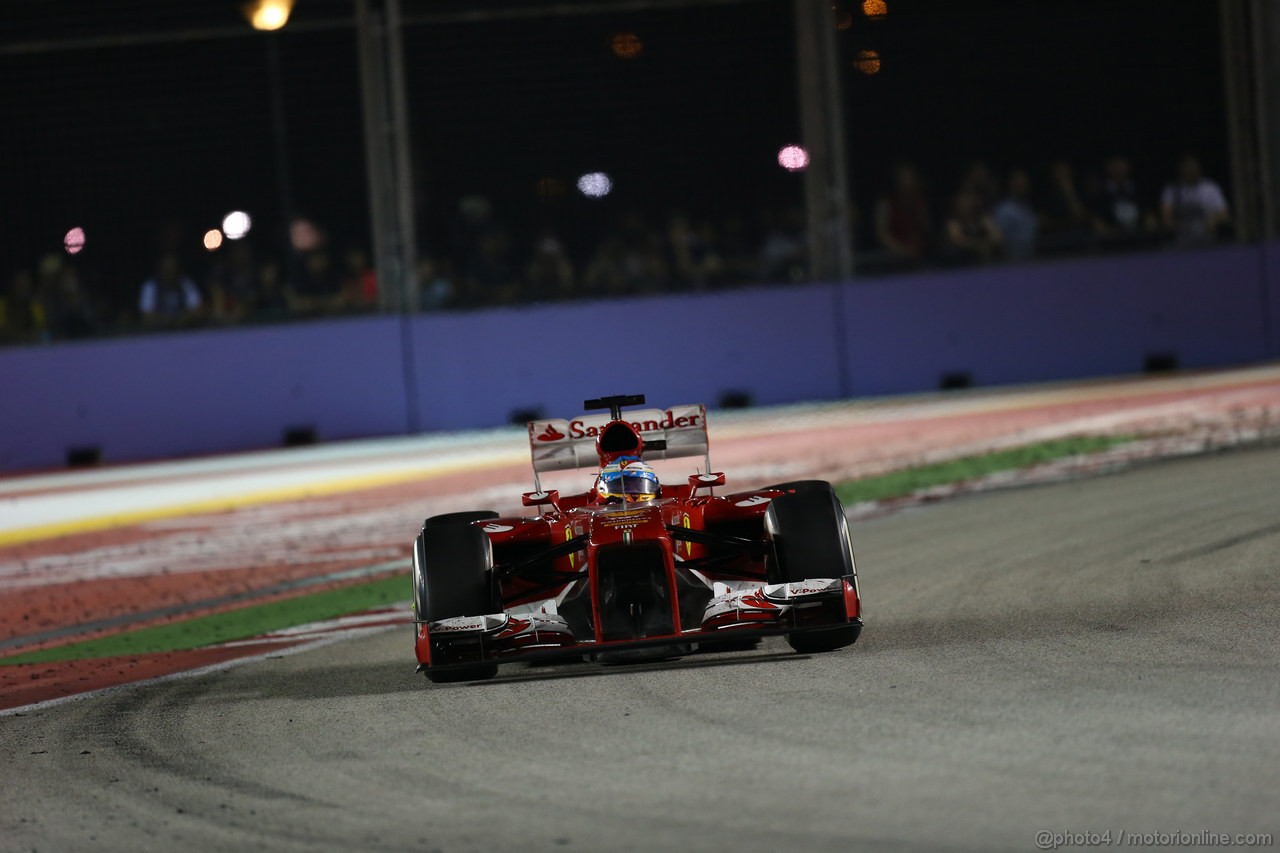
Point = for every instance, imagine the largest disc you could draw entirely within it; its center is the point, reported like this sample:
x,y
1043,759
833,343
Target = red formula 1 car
x,y
683,570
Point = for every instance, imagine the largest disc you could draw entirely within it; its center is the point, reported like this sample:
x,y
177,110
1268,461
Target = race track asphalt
x,y
1096,655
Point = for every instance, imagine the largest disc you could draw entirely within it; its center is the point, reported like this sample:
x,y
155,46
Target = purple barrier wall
x,y
1272,297
200,392
211,391
778,344
1055,320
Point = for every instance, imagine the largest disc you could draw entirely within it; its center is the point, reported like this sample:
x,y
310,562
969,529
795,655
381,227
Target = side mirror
x,y
551,497
705,481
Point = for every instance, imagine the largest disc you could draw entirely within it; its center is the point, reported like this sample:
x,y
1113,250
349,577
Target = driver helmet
x,y
627,479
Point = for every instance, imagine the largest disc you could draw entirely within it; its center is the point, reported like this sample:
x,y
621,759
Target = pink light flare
x,y
73,242
793,158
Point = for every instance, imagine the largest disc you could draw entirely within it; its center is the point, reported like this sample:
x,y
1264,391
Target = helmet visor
x,y
639,487
629,484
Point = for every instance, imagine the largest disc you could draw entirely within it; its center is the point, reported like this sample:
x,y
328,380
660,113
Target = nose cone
x,y
627,523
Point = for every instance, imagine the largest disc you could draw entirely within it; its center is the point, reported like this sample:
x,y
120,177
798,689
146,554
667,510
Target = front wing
x,y
809,605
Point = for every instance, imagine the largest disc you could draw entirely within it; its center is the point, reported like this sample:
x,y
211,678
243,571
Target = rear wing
x,y
560,445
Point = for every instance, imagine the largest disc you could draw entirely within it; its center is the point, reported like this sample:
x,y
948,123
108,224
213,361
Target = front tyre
x,y
809,534
452,560
816,642
479,672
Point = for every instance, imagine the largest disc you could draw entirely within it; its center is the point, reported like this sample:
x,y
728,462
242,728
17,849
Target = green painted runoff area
x,y
259,619
228,625
908,481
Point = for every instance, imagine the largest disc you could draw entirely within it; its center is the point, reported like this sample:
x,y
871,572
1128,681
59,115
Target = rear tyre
x,y
810,538
451,577
456,518
800,486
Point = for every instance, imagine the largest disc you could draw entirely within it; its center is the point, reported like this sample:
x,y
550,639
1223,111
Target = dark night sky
x,y
1027,82
123,140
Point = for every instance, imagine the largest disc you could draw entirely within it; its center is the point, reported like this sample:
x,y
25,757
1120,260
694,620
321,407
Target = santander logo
x,y
550,434
688,417
580,429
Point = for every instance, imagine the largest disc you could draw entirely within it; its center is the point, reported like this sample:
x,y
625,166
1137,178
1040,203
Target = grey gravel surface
x,y
1081,657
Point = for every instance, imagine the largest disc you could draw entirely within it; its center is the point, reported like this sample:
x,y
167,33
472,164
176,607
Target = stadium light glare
x,y
236,224
867,61
793,158
212,239
73,241
626,45
268,14
595,185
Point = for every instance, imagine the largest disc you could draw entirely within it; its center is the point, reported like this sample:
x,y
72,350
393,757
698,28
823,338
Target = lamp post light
x,y
387,152
268,15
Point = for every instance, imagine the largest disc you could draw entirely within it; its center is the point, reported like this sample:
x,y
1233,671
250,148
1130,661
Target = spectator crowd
x,y
987,219
478,261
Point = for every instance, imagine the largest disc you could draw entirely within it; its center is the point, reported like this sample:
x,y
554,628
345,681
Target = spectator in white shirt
x,y
1193,207
170,294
